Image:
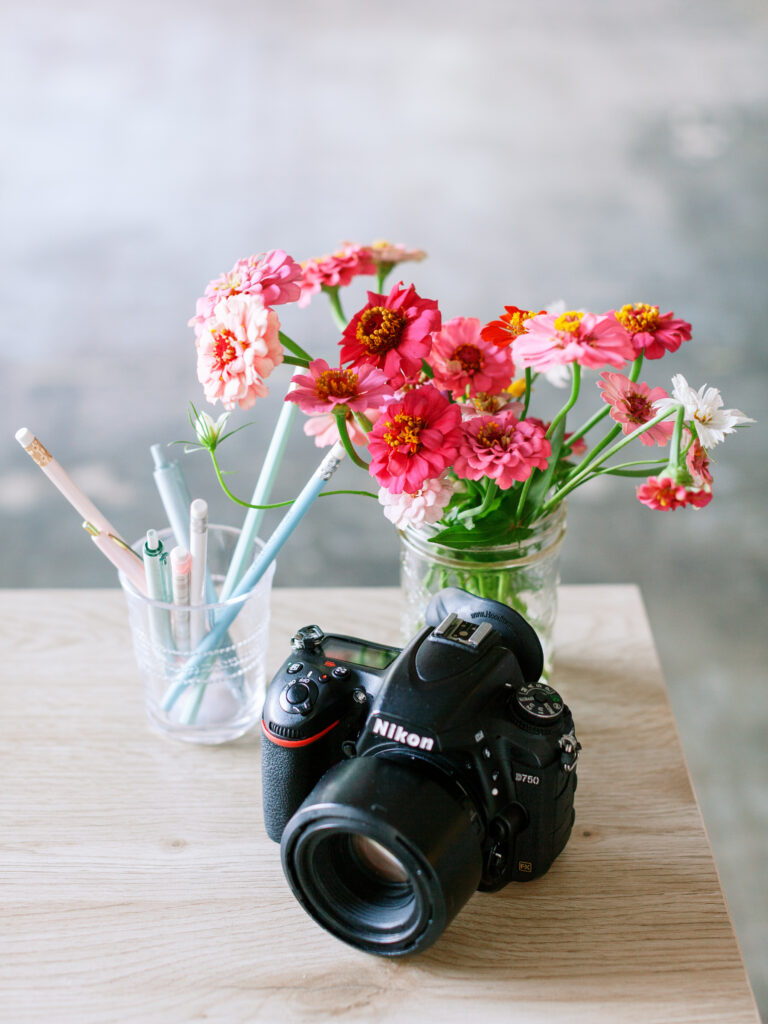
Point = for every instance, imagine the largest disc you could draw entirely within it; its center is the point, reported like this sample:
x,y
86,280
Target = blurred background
x,y
592,152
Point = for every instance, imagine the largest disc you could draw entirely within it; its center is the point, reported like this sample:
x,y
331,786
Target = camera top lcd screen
x,y
365,655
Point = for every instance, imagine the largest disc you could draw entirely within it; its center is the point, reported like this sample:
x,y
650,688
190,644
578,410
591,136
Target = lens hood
x,y
426,861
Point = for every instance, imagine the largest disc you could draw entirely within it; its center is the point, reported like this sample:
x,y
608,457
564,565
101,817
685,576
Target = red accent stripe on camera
x,y
296,743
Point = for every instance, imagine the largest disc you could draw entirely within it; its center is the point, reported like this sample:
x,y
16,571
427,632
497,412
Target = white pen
x,y
198,548
181,563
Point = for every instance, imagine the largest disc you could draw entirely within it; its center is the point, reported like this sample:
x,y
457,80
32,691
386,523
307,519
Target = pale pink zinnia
x,y
665,494
573,337
324,388
274,276
631,405
392,332
650,332
501,447
414,440
426,506
389,253
461,359
238,348
336,270
325,430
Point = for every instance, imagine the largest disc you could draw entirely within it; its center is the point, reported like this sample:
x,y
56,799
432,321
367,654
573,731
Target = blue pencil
x,y
269,552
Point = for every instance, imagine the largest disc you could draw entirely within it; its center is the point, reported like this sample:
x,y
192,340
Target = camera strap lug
x,y
570,747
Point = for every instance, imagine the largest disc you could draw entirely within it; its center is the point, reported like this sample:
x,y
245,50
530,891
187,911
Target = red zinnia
x,y
510,325
665,494
414,440
392,332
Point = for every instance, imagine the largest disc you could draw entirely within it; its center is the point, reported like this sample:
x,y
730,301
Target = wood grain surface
x,y
137,884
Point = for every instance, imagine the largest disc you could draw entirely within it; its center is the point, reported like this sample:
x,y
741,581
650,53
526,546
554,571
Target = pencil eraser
x,y
199,509
181,561
25,437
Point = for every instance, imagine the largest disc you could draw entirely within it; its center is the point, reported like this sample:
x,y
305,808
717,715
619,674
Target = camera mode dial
x,y
539,703
299,696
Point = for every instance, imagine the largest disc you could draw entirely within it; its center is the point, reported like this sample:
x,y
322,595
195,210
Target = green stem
x,y
291,345
332,291
363,422
528,387
364,494
381,276
584,474
575,388
490,493
349,448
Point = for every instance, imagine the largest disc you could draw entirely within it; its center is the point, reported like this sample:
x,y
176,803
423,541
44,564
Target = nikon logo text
x,y
393,731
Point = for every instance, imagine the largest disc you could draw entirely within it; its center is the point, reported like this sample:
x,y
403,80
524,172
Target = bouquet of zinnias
x,y
442,414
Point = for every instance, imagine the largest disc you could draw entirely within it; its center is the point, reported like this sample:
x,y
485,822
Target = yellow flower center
x,y
491,434
379,329
638,318
336,384
404,430
568,321
515,320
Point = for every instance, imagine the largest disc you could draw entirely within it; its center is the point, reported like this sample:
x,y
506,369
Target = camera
x,y
398,782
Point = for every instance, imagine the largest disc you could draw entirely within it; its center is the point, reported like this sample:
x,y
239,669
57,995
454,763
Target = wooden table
x,y
137,884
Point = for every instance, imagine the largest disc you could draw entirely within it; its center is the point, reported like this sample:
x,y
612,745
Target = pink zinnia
x,y
274,276
632,405
393,332
324,388
336,270
651,333
238,348
665,494
697,461
501,447
426,506
414,440
461,359
592,341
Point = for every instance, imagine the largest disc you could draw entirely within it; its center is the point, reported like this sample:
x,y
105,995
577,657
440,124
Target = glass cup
x,y
218,696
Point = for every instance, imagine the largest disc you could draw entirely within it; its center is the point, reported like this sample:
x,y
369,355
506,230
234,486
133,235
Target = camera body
x,y
460,713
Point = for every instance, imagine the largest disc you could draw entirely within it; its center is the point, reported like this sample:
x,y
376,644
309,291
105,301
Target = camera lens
x,y
383,855
378,859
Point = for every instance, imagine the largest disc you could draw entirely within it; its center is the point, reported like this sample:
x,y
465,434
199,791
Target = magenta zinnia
x,y
414,440
631,405
650,332
665,494
392,332
324,388
462,360
501,447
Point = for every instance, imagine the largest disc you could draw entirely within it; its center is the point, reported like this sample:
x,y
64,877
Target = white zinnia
x,y
704,407
426,506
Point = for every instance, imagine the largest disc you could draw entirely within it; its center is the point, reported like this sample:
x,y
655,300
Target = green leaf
x,y
542,481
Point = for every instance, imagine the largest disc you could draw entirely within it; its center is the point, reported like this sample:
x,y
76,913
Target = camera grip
x,y
289,773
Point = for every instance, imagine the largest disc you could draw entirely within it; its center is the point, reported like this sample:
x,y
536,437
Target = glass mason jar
x,y
523,574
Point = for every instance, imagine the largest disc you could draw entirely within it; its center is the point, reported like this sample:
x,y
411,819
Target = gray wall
x,y
595,152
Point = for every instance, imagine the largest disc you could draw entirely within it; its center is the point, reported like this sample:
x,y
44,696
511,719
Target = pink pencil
x,y
102,532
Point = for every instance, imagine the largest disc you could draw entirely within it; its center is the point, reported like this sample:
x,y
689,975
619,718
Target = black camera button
x,y
297,693
341,672
294,668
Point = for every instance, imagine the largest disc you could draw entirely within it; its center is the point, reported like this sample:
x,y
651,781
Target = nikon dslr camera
x,y
400,781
